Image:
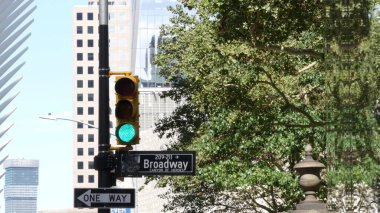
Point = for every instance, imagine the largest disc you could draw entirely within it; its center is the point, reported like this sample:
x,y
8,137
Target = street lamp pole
x,y
53,118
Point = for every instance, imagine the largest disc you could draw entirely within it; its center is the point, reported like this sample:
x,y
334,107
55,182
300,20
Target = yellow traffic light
x,y
127,109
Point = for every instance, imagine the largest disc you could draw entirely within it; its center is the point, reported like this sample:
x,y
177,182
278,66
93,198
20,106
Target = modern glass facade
x,y
153,14
21,182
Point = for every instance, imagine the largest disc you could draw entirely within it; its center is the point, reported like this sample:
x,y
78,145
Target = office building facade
x,y
21,183
122,15
152,15
134,39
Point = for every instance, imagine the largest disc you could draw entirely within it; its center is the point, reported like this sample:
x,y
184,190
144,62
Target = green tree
x,y
250,74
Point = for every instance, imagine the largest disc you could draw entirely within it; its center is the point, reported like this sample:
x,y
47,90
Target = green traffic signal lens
x,y
126,132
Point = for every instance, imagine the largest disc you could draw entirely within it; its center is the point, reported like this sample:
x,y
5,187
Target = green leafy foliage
x,y
251,74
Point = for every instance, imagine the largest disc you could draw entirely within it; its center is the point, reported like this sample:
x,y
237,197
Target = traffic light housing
x,y
127,109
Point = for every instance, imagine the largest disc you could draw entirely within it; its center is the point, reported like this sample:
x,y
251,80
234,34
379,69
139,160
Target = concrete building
x,y
134,39
21,183
122,18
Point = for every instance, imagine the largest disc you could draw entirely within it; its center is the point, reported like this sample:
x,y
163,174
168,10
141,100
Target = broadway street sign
x,y
104,198
138,163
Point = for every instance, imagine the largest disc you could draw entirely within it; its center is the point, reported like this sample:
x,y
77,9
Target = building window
x,y
90,151
80,165
111,28
90,16
91,138
79,84
90,70
79,43
91,110
123,16
92,123
80,178
111,16
80,151
80,125
79,16
79,70
122,29
80,111
91,165
90,97
90,83
90,56
79,97
79,56
79,29
91,179
90,29
90,43
80,138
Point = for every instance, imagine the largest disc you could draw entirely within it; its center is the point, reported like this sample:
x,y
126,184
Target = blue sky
x,y
46,87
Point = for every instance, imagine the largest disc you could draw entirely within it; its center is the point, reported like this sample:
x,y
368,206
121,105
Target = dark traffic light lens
x,y
124,109
125,87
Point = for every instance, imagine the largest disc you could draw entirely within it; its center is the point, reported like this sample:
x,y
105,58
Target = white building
x,y
122,16
133,43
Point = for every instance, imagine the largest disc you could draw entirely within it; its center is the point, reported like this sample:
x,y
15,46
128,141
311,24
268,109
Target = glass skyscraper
x,y
153,14
21,182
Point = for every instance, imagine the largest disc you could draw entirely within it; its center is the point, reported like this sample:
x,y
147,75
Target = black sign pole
x,y
101,160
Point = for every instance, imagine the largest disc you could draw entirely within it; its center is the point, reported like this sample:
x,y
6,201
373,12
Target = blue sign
x,y
120,210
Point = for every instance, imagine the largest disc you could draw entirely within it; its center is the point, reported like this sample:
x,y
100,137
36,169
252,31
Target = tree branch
x,y
315,124
308,66
272,194
287,102
268,208
288,50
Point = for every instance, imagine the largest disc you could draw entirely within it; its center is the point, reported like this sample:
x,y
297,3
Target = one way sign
x,y
104,198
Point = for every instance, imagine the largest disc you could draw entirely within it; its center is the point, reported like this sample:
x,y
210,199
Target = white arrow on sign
x,y
88,198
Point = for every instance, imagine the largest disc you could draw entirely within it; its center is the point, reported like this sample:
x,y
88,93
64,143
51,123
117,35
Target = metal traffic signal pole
x,y
103,161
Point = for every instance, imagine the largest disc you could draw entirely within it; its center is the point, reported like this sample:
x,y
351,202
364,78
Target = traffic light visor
x,y
125,87
126,132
